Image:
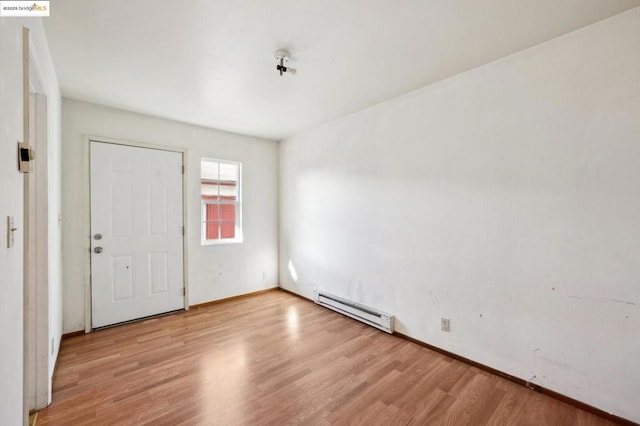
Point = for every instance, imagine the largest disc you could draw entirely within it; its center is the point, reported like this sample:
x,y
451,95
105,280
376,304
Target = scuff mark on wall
x,y
626,302
623,301
589,299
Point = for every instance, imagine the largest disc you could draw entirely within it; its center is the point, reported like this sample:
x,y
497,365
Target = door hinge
x,y
184,291
182,169
182,229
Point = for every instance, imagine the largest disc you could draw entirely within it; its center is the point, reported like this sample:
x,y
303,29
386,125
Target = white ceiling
x,y
210,62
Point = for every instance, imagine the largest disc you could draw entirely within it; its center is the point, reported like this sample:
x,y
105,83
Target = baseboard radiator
x,y
370,316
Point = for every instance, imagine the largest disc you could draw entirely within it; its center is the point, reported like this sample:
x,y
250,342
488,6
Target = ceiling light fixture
x,y
282,59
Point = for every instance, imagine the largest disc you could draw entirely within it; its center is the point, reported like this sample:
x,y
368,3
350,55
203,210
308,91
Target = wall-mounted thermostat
x,y
25,157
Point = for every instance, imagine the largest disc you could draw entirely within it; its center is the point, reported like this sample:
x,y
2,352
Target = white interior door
x,y
136,233
36,260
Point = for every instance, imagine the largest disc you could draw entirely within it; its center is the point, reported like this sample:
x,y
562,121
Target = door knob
x,y
97,236
97,250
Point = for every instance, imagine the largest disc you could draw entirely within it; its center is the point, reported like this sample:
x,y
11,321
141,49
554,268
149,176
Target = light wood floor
x,y
277,359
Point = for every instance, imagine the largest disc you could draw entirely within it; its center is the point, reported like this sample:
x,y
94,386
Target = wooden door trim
x,y
86,205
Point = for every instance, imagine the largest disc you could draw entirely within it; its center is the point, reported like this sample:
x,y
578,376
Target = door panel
x,y
136,208
37,353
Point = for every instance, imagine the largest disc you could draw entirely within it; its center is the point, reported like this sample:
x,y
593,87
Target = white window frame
x,y
237,202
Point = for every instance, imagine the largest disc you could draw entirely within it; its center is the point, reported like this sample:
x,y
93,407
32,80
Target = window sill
x,y
220,242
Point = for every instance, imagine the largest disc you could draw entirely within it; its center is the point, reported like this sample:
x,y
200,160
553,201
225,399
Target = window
x,y
220,201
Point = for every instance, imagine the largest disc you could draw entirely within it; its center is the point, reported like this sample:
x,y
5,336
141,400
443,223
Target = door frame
x,y
87,139
36,326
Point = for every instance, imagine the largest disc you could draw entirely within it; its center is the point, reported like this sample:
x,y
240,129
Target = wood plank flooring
x,y
277,359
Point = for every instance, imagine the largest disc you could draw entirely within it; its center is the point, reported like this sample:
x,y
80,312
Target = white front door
x,y
136,233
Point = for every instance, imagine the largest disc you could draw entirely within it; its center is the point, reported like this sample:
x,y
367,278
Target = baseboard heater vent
x,y
356,311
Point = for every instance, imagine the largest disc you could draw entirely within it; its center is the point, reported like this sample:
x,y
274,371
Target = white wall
x,y
11,321
214,271
505,198
11,203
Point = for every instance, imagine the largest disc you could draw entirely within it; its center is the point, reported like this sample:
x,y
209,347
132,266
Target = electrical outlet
x,y
445,324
